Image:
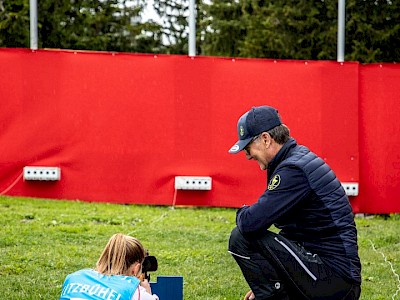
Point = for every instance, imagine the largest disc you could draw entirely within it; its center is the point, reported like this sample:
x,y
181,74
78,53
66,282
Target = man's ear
x,y
266,139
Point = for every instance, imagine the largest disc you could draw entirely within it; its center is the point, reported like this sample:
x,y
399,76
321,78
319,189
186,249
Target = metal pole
x,y
33,24
341,30
192,28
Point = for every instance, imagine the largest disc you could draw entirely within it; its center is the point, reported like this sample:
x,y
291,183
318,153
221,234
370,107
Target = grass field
x,y
42,241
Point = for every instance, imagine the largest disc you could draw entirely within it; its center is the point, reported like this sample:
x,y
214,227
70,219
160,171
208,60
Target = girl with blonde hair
x,y
117,275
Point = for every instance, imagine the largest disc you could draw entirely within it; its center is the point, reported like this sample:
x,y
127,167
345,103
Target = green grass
x,y
42,241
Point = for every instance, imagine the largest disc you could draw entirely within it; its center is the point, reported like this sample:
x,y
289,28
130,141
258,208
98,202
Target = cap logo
x,y
234,148
274,182
241,130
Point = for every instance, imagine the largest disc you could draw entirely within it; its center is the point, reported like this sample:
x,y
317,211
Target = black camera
x,y
150,264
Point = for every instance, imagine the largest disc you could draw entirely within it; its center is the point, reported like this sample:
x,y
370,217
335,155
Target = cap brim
x,y
239,146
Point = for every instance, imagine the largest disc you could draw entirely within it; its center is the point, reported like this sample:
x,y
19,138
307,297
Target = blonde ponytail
x,y
119,254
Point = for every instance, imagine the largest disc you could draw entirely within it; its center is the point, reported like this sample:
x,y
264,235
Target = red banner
x,y
122,126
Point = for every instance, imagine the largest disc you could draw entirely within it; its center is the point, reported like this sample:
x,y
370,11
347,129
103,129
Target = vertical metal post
x,y
192,28
341,30
33,24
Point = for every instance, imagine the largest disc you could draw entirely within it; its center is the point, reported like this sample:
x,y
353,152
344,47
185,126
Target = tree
x,y
302,30
14,23
240,28
222,28
289,29
373,30
174,23
112,25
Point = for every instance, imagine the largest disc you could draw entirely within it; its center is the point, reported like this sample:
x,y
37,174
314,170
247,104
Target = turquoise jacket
x,y
89,284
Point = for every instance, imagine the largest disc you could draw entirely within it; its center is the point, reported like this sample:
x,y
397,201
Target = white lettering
x,y
94,289
112,295
71,286
76,289
85,288
103,292
64,290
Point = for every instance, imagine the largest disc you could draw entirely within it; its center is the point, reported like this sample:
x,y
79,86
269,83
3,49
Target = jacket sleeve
x,y
287,187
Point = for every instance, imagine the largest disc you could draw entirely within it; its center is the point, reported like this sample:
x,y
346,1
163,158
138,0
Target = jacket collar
x,y
281,155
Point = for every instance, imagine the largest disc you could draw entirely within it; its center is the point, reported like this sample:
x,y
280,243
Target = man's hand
x,y
249,296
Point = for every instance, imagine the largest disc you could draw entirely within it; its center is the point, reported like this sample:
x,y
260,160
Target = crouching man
x,y
315,253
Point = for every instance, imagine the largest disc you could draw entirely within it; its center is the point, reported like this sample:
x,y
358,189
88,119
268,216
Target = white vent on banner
x,y
351,188
192,183
42,173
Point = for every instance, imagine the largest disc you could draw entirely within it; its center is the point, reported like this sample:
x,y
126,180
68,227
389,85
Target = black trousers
x,y
276,268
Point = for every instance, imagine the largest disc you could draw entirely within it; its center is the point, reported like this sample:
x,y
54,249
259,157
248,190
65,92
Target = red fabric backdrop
x,y
379,131
122,126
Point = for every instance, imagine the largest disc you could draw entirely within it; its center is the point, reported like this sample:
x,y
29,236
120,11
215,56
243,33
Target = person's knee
x,y
235,238
238,240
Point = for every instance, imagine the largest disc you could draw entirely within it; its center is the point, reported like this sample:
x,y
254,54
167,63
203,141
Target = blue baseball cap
x,y
252,123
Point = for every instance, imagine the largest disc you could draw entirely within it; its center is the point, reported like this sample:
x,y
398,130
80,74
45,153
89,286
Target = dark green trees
x,y
240,28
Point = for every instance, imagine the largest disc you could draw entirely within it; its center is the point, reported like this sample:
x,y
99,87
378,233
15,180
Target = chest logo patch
x,y
274,182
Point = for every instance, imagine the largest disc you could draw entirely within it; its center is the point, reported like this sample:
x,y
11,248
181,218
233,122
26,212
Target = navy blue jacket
x,y
306,201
